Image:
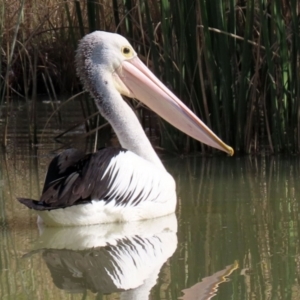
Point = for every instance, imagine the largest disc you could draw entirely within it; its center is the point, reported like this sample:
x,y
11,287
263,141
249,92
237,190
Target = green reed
x,y
235,63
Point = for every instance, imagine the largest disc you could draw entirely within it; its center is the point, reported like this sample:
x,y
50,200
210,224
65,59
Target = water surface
x,y
234,235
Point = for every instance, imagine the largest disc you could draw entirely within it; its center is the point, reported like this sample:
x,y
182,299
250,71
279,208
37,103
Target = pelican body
x,y
117,185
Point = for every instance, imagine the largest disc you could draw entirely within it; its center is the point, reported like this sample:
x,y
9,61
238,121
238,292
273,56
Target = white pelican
x,y
117,185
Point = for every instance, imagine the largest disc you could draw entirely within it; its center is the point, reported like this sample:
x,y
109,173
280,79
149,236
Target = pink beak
x,y
142,84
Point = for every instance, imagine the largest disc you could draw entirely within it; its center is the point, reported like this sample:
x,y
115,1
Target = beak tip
x,y
230,151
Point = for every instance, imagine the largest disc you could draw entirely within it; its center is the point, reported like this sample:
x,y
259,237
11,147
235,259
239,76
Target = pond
x,y
234,234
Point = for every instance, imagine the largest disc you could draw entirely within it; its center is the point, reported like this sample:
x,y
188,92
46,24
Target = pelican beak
x,y
135,80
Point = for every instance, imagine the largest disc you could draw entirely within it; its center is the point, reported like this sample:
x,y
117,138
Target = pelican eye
x,y
126,51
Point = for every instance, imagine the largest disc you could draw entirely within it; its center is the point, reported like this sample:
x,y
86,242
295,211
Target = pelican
x,y
117,185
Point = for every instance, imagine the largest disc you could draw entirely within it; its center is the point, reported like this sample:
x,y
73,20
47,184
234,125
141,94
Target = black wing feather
x,y
73,177
61,165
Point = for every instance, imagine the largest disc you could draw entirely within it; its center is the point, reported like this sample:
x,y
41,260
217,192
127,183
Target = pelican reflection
x,y
107,258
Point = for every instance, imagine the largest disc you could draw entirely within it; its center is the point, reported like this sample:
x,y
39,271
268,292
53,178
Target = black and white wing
x,y
109,175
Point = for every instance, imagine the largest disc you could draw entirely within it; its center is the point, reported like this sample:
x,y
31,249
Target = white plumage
x,y
117,185
136,190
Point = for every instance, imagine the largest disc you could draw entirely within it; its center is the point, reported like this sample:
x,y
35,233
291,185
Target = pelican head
x,y
107,62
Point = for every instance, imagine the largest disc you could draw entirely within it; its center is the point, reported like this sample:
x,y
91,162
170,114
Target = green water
x,y
234,236
238,223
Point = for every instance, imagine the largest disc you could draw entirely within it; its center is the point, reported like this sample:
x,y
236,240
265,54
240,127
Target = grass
x,y
235,63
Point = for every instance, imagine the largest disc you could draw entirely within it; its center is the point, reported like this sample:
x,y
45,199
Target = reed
x,y
234,62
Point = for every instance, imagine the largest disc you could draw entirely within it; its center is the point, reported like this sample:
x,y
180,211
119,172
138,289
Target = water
x,y
234,236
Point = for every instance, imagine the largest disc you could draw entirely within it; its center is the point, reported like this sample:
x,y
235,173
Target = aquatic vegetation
x,y
234,62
